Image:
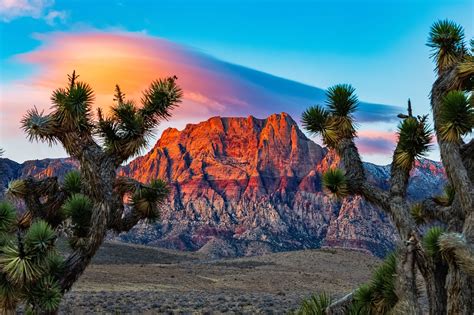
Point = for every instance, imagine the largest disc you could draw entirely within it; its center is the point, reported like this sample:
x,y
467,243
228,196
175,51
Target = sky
x,y
232,58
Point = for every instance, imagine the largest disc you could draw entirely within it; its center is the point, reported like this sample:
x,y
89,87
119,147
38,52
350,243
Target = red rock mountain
x,y
247,185
244,186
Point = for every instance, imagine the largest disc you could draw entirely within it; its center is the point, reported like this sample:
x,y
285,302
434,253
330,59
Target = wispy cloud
x,y
37,9
132,60
376,142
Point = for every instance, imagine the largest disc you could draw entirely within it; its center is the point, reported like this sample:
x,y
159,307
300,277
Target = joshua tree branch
x,y
340,306
467,154
431,211
397,208
124,222
127,221
463,252
48,190
450,152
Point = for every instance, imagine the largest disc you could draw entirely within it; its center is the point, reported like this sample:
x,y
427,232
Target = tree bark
x,y
99,175
459,291
406,287
459,168
395,204
340,306
436,289
7,311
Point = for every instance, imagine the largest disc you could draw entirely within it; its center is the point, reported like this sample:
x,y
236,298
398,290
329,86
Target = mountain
x,y
245,186
38,168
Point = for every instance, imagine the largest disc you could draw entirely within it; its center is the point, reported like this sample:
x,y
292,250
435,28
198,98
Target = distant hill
x,y
246,186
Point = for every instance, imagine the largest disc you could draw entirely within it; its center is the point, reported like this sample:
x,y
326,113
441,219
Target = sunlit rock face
x,y
248,186
255,186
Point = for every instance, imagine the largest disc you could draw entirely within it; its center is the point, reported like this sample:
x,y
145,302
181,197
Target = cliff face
x,y
244,186
255,186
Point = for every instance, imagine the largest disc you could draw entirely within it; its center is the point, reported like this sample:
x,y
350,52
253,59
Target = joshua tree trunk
x,y
459,290
99,172
406,288
458,168
7,311
395,205
435,280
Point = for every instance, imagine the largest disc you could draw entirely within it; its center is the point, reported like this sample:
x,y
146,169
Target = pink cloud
x,y
376,142
211,87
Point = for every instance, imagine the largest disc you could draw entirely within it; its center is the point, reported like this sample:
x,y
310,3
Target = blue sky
x,y
377,46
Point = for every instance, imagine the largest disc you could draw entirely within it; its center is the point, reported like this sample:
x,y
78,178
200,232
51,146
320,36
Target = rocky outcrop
x,y
246,186
255,185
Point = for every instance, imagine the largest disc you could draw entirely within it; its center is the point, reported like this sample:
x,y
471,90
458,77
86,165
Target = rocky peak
x,y
250,185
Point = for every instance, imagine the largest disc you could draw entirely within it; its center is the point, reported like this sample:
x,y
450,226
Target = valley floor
x,y
130,279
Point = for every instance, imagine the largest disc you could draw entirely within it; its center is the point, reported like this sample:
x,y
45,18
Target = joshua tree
x,y
443,257
89,202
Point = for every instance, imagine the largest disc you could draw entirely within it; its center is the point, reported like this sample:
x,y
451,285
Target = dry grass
x,y
139,279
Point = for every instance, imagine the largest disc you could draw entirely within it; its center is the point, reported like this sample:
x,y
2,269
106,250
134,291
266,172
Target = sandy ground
x,y
130,279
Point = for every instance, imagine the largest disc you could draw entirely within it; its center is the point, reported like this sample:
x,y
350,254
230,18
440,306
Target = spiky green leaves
x,y
19,266
129,127
384,285
378,297
159,99
336,122
54,264
447,198
45,295
24,261
39,238
72,113
29,268
414,137
129,123
17,188
72,182
342,103
431,241
315,305
119,96
446,39
146,199
9,295
125,133
78,208
319,121
341,100
334,180
456,116
315,119
39,127
416,212
73,106
7,216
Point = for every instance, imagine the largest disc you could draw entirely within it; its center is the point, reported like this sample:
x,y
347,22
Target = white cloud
x,y
53,16
37,9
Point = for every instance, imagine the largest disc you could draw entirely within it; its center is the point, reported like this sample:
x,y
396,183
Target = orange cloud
x,y
211,87
129,59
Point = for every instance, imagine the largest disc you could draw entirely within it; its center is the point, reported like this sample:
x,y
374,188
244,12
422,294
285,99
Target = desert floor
x,y
131,279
